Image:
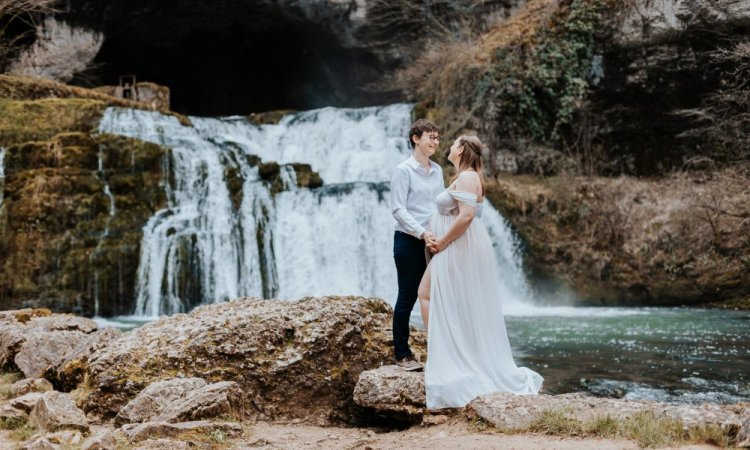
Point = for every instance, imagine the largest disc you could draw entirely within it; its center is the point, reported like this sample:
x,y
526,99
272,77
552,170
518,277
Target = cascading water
x,y
105,232
336,239
2,174
217,240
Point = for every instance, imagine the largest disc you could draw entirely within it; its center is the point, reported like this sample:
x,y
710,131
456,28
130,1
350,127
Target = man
x,y
414,185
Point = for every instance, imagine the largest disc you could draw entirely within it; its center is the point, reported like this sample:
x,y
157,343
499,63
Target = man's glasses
x,y
434,138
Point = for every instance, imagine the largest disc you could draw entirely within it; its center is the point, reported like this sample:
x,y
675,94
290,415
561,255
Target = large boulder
x,y
508,411
26,402
56,411
69,373
296,359
183,399
222,399
392,392
152,400
43,350
23,387
33,340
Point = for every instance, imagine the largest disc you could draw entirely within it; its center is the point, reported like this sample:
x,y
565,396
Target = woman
x,y
468,353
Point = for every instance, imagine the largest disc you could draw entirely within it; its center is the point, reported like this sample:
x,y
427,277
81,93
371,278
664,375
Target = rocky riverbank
x,y
264,373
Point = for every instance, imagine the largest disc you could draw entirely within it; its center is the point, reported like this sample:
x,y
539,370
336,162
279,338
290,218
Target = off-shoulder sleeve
x,y
467,198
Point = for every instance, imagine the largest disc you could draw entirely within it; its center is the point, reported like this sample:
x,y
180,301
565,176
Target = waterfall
x,y
105,232
336,239
2,174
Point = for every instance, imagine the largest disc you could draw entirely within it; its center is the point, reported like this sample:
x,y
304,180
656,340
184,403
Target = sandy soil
x,y
455,435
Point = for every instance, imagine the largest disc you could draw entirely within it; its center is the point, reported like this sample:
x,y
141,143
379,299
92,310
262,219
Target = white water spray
x,y
336,239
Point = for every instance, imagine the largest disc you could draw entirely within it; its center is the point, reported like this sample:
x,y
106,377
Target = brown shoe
x,y
409,364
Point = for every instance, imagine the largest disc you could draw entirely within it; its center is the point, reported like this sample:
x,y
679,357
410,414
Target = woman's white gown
x,y
468,352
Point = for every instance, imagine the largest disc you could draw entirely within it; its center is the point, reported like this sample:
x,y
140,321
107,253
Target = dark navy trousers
x,y
409,254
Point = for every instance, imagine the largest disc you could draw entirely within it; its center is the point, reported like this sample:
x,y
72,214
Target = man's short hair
x,y
419,127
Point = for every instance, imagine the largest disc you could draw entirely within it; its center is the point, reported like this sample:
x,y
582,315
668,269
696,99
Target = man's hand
x,y
429,238
436,246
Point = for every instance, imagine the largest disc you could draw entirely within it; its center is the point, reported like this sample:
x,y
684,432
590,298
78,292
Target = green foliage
x,y
540,84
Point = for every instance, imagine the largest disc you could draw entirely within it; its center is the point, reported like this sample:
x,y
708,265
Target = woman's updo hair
x,y
471,157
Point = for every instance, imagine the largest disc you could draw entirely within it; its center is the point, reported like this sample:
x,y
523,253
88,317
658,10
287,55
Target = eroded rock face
x,y
34,341
157,396
23,387
649,22
627,241
69,373
290,359
224,398
26,402
41,351
657,59
51,149
392,392
55,411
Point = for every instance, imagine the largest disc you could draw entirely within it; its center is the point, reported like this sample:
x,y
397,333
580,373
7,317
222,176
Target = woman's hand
x,y
437,246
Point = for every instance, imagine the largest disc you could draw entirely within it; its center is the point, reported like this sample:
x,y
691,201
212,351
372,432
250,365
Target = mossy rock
x,y
40,120
55,251
269,117
306,177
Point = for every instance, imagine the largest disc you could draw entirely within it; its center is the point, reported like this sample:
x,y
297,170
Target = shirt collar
x,y
414,164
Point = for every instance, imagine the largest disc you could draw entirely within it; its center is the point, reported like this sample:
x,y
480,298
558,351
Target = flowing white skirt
x,y
468,352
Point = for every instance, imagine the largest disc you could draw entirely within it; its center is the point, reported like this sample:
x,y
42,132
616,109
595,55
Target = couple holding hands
x,y
444,258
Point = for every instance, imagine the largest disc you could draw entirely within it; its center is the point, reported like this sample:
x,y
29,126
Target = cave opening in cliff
x,y
227,57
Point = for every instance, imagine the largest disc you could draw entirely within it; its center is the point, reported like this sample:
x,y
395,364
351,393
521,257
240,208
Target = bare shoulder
x,y
469,182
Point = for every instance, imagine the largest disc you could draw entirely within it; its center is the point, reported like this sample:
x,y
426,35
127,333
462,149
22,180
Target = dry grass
x,y
39,120
23,433
17,87
646,428
518,29
6,380
12,422
452,65
23,88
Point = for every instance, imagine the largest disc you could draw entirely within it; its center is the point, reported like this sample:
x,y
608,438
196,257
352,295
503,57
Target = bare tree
x,y
723,119
13,11
21,7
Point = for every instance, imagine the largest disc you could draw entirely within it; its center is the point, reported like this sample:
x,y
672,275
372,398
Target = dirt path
x,y
446,436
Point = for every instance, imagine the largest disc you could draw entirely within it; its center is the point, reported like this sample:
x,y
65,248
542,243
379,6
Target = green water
x,y
677,355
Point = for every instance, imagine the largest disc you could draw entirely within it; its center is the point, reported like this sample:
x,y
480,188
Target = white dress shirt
x,y
413,192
